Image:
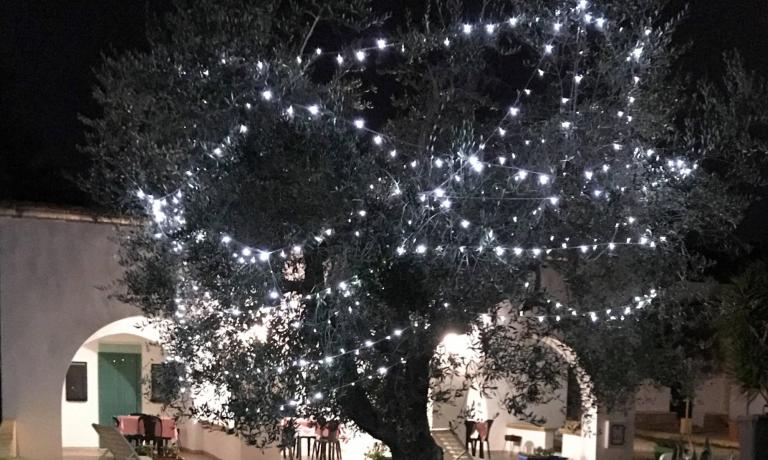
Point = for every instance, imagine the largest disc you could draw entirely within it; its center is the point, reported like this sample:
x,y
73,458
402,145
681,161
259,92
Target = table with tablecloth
x,y
131,425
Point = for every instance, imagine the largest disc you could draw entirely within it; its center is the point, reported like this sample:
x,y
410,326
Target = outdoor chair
x,y
483,430
111,439
151,426
327,445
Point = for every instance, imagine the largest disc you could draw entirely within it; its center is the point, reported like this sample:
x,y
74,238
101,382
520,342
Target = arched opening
x,y
489,404
109,375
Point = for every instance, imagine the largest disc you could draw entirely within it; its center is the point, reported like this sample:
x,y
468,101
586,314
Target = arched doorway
x,y
470,400
109,374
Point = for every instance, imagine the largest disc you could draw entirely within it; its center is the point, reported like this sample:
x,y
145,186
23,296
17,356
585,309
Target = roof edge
x,y
61,213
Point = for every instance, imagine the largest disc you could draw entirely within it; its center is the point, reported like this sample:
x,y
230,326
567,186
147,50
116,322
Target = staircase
x,y
7,439
453,449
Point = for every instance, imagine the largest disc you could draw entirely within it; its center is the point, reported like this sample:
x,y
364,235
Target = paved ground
x,y
96,454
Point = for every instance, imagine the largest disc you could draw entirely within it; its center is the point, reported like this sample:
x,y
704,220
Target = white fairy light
x,y
359,123
381,43
502,160
313,109
318,51
513,21
360,55
553,200
266,95
464,223
476,164
518,251
514,111
447,42
577,79
421,249
467,29
339,59
588,174
548,49
264,256
378,140
490,28
543,179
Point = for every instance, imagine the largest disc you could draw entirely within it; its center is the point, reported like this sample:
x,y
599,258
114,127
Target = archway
x,y
85,394
583,444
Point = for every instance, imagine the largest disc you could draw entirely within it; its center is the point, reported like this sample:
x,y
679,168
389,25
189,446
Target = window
x,y
165,382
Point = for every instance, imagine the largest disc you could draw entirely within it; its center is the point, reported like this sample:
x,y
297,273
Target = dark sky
x,y
49,48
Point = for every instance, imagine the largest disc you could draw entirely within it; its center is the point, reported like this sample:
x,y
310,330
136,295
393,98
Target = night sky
x,y
48,50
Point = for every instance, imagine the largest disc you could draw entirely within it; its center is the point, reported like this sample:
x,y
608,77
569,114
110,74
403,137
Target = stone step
x,y
8,439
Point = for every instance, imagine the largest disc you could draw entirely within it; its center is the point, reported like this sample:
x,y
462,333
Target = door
x,y
119,385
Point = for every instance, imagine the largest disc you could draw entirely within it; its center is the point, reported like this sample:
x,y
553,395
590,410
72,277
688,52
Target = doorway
x,y
119,385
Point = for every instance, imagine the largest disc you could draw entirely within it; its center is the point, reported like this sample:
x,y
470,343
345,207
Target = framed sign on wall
x,y
77,382
617,435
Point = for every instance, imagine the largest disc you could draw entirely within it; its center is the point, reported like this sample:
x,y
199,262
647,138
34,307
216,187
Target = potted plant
x,y
743,337
541,454
168,453
377,452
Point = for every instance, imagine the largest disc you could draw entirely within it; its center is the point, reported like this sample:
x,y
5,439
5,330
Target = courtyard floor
x,y
93,454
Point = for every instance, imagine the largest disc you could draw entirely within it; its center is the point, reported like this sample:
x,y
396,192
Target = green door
x,y
119,385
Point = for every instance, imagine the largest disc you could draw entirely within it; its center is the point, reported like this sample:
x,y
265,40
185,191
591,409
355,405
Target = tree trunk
x,y
398,418
423,447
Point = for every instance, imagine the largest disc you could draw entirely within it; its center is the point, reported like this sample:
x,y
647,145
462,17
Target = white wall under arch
x,y
54,278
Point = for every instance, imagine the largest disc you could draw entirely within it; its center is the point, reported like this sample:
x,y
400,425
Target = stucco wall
x,y
51,301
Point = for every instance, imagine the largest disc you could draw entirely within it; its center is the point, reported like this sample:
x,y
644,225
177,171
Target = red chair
x,y
478,432
327,443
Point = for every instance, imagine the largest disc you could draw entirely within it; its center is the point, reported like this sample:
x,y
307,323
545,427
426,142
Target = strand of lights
x,y
609,314
317,396
501,250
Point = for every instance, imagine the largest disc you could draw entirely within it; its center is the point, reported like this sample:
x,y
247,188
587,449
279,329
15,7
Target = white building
x,y
56,272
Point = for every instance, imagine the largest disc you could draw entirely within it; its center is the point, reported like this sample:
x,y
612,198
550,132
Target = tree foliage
x,y
523,173
743,330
